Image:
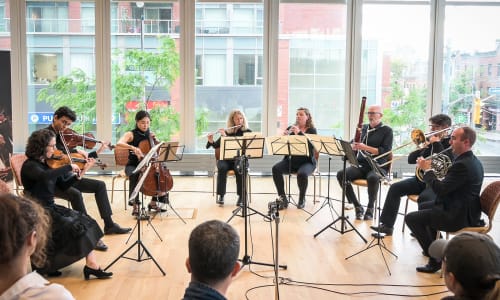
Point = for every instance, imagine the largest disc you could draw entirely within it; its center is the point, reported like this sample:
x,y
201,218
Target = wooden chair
x,y
364,183
490,198
413,198
229,173
16,163
121,159
314,174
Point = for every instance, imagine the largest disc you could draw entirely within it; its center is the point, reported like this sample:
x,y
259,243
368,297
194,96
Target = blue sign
x,y
46,118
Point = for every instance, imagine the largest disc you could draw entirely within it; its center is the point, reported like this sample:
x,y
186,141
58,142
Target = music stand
x,y
289,145
378,236
329,146
345,148
168,152
139,242
240,149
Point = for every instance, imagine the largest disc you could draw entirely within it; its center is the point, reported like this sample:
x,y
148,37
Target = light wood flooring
x,y
316,267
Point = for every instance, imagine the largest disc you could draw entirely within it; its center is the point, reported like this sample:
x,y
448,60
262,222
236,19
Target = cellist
x,y
131,140
62,119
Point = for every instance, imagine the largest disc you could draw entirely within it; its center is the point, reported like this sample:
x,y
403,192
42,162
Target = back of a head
x,y
213,251
474,260
19,218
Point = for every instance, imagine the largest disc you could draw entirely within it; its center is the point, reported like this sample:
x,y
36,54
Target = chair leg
x,y
249,189
213,183
113,188
125,200
406,211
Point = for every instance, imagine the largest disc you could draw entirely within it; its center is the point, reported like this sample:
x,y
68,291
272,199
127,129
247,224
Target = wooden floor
x,y
317,268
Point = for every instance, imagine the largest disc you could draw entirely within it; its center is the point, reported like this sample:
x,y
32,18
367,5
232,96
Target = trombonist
x,y
376,139
303,165
237,125
435,143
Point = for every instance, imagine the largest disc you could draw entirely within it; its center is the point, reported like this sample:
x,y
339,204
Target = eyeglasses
x,y
373,113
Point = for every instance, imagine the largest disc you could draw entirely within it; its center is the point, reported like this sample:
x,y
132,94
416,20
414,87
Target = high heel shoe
x,y
99,273
153,206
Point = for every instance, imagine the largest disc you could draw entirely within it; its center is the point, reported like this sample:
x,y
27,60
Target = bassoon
x,y
357,136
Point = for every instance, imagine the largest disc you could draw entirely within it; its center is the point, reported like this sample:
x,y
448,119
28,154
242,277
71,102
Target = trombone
x,y
418,137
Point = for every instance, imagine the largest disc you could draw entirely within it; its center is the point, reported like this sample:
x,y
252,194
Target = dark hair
x,y
468,134
213,251
309,122
65,111
38,142
441,120
19,217
141,115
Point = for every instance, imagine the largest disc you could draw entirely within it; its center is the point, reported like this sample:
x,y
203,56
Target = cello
x,y
158,180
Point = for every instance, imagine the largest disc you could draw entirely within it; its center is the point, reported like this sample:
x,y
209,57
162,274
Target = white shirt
x,y
34,286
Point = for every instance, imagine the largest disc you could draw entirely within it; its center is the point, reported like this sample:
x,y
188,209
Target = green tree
x,y
132,71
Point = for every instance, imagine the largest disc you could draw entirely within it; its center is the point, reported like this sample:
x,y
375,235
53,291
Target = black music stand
x,y
344,147
377,236
329,146
168,152
139,242
240,149
289,145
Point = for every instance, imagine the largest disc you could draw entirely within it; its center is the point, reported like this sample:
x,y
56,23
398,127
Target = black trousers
x,y
353,173
408,186
303,171
224,166
133,180
425,224
87,185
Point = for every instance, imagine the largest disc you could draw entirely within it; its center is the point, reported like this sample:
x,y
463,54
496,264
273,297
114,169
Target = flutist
x,y
237,125
412,186
302,165
376,139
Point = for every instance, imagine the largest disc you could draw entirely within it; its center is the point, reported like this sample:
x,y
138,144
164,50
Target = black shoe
x,y
382,228
220,199
162,199
412,234
239,202
99,273
359,212
155,207
132,202
368,214
302,203
431,267
116,229
282,202
100,246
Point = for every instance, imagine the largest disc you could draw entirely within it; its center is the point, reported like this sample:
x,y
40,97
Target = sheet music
x,y
170,152
325,144
232,146
294,145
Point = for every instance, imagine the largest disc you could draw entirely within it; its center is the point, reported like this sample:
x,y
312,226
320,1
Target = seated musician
x,y
62,119
413,186
237,125
457,203
376,139
131,140
303,165
74,234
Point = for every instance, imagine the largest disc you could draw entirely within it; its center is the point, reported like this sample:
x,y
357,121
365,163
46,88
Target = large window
x,y
394,63
311,65
229,50
471,86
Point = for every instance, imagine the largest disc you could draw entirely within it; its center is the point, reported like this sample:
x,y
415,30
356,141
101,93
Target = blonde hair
x,y
230,121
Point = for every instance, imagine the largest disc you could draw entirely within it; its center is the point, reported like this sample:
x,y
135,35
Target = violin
x,y
60,159
158,180
86,140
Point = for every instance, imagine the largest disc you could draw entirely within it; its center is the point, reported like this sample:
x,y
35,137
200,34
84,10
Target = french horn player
x,y
433,142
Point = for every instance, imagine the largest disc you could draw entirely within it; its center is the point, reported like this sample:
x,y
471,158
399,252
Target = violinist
x,y
237,125
376,139
303,165
131,140
412,186
62,119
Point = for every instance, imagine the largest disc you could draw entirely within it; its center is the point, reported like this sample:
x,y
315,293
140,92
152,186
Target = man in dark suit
x,y
457,204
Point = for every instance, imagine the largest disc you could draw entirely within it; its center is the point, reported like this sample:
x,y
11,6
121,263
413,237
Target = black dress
x,y
73,234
